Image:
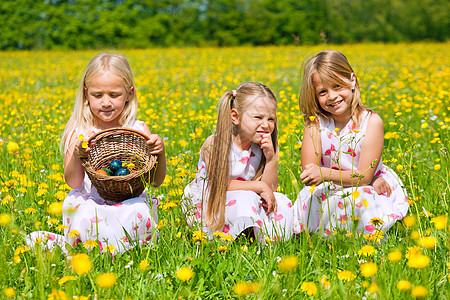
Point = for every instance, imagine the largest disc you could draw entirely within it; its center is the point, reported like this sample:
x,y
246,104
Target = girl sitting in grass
x,y
347,187
234,190
106,99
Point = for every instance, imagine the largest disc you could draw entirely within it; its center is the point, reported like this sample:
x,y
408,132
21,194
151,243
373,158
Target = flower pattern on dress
x,y
243,209
329,207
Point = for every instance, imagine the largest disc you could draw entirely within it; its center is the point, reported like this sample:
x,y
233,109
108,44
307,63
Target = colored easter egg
x,y
115,165
108,171
122,172
103,172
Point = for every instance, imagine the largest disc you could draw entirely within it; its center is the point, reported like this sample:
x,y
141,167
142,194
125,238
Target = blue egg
x,y
122,172
115,165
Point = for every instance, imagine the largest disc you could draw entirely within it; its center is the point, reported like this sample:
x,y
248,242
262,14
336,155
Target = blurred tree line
x,y
87,24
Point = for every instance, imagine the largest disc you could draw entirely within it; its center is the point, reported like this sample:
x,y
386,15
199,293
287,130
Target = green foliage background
x,y
85,24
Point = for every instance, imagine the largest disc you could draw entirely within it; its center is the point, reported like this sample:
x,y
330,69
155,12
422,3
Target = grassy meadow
x,y
407,84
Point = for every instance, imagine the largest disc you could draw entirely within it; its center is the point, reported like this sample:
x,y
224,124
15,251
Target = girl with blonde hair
x,y
347,187
234,189
106,98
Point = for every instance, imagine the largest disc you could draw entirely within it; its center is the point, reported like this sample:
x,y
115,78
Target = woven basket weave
x,y
126,145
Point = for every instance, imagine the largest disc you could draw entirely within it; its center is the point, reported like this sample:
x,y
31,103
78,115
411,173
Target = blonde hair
x,y
330,66
82,119
218,167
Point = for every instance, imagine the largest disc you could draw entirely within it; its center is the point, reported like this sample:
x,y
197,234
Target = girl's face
x,y
107,96
335,98
258,119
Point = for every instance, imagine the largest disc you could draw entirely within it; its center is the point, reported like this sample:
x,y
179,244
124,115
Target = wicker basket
x,y
126,145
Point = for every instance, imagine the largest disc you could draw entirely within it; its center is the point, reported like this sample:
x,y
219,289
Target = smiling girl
x,y
106,99
234,190
347,187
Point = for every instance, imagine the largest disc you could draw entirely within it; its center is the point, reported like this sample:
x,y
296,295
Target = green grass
x,y
407,84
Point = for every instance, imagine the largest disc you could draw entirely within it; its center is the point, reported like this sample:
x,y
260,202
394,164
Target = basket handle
x,y
102,133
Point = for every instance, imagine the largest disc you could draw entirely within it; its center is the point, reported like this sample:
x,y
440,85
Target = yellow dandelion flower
x,y
399,168
17,259
7,199
55,208
409,221
439,222
81,263
61,227
373,288
110,249
64,279
369,269
437,167
21,250
367,250
428,242
10,292
309,287
376,221
41,192
90,244
403,285
288,263
245,288
81,137
424,125
5,219
60,195
415,235
12,147
57,295
336,129
106,280
144,265
395,256
222,248
74,233
418,261
419,292
346,275
312,118
30,211
198,236
184,273
313,187
411,251
323,281
84,144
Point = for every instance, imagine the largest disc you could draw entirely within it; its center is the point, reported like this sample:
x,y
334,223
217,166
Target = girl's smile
x,y
335,98
107,97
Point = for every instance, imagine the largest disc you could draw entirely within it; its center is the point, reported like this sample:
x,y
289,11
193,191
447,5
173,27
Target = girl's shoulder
x,y
205,150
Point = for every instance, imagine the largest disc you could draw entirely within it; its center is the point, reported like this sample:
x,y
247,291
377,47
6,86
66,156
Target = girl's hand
x,y
381,186
269,202
156,144
311,175
80,152
267,146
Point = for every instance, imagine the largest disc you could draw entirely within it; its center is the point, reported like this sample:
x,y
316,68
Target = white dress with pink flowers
x,y
110,226
330,207
243,208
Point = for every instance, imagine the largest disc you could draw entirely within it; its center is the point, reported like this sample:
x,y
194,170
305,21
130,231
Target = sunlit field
x,y
407,84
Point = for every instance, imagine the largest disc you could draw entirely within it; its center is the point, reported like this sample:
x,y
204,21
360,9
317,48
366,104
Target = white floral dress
x,y
243,208
95,222
329,207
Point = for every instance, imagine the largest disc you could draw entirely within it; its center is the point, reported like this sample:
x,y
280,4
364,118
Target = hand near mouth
x,y
267,146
